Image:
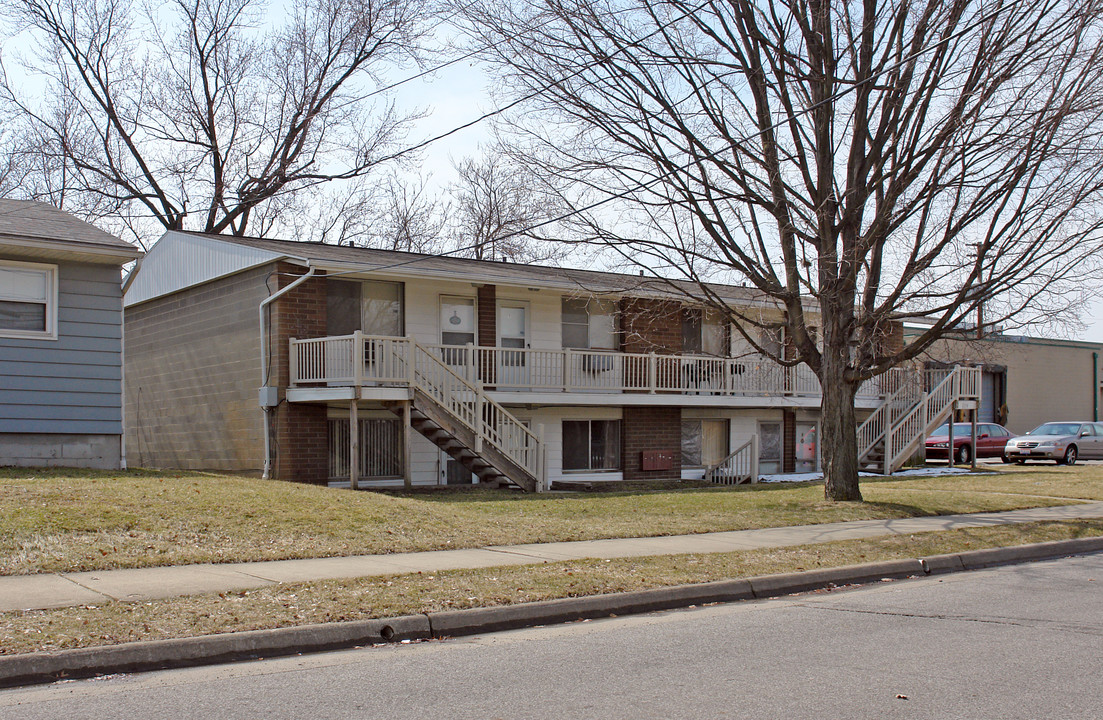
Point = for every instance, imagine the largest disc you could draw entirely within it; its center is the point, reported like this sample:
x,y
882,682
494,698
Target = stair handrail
x,y
739,463
930,410
873,429
504,431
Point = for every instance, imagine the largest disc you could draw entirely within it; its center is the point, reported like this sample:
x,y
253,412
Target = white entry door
x,y
513,343
457,333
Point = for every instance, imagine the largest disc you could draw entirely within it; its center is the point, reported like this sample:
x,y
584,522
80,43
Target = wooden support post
x,y
950,445
357,359
480,417
354,445
541,460
407,438
754,459
973,429
292,363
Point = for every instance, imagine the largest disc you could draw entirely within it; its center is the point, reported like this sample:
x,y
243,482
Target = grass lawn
x,y
82,520
345,600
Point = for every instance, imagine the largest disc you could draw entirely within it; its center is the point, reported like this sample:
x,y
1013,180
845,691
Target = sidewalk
x,y
39,592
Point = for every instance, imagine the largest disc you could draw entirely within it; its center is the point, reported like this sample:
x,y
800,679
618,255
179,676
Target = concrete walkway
x,y
38,592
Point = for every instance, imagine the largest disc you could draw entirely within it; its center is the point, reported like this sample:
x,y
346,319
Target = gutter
x,y
266,406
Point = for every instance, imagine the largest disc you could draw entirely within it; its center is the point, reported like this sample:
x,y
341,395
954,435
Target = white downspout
x,y
264,359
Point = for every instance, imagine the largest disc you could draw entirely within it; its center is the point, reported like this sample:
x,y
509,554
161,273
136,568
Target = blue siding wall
x,y
72,384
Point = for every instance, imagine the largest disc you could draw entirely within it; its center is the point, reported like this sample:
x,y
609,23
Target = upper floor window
x,y
28,300
589,324
371,306
704,332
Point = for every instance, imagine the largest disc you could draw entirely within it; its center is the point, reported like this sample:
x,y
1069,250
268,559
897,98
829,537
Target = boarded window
x,y
704,442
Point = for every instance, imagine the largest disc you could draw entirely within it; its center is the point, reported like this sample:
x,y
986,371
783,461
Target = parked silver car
x,y
1064,442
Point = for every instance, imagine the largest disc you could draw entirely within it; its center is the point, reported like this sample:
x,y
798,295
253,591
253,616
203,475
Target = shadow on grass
x,y
476,494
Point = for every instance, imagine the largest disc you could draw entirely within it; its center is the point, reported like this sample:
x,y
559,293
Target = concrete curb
x,y
35,668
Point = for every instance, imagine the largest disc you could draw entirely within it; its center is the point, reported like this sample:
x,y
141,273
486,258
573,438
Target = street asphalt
x,y
1015,642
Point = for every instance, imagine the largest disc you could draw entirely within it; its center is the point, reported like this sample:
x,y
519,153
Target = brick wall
x,y
487,302
892,339
300,431
651,325
487,333
788,441
192,373
651,428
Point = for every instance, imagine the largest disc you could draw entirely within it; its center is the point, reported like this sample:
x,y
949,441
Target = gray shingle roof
x,y
29,219
486,270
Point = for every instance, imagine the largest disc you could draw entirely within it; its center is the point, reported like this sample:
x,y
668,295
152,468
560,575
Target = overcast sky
x,y
459,94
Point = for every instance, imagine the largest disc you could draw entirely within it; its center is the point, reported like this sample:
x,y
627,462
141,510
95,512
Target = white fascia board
x,y
63,249
181,260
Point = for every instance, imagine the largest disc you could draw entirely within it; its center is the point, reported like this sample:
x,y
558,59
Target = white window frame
x,y
593,307
50,271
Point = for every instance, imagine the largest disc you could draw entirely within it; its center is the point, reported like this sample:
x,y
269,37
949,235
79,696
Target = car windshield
x,y
1056,429
960,430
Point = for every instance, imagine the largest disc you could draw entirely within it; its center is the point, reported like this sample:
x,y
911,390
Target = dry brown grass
x,y
55,521
346,600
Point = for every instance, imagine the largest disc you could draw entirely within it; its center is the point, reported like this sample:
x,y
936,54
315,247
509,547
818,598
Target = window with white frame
x,y
589,324
769,447
704,442
591,445
28,300
704,332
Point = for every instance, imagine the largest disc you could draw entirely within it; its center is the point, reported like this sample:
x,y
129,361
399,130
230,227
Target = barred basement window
x,y
380,448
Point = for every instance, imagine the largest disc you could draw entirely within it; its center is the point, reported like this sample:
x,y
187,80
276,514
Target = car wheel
x,y
1020,462
963,454
1070,456
1006,459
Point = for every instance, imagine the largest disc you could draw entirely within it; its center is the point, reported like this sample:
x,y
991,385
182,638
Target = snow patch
x,y
935,471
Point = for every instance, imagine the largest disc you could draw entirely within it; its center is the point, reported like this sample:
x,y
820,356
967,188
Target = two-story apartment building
x,y
379,368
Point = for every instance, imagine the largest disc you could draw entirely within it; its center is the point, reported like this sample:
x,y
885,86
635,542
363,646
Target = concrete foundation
x,y
60,450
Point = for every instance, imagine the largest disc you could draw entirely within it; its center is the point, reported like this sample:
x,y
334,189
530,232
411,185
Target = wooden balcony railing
x,y
383,361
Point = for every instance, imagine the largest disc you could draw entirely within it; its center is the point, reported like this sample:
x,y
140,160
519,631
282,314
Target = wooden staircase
x,y
458,417
923,401
491,466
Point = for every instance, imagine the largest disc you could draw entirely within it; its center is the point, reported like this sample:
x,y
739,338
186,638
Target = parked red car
x,y
991,439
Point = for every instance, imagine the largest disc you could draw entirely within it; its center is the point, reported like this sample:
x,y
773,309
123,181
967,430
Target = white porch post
x,y
354,445
407,438
973,429
950,446
754,458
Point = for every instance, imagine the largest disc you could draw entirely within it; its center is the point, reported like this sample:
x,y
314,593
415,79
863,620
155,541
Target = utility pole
x,y
980,303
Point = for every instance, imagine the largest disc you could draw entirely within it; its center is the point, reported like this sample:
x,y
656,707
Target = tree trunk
x,y
839,440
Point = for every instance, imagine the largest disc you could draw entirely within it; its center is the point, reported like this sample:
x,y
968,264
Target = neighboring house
x,y
60,339
451,370
1027,381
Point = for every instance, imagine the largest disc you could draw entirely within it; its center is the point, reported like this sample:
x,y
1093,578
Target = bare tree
x,y
409,218
198,115
495,201
860,164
